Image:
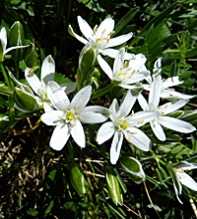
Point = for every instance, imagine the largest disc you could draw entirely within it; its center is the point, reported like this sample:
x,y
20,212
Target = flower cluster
x,y
119,121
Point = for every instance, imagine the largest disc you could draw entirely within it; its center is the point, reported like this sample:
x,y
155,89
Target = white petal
x,y
171,82
91,117
155,90
158,130
149,80
85,28
138,62
81,99
171,93
53,85
59,137
138,138
78,134
104,66
128,56
113,109
98,109
3,38
176,124
172,107
142,102
105,28
157,66
116,41
47,106
116,147
119,60
136,77
127,104
112,53
105,132
72,33
141,118
57,96
186,180
52,117
33,81
48,68
184,165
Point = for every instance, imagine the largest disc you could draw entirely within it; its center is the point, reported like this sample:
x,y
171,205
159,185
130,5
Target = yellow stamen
x,y
70,116
123,124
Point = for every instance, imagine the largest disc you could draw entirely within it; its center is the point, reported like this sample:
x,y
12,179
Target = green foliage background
x,y
36,182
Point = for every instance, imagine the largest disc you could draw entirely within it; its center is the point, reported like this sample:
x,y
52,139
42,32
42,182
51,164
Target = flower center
x,y
122,124
103,37
124,73
155,110
70,116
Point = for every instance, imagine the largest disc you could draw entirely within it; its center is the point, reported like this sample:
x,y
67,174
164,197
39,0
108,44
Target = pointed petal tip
x,y
113,161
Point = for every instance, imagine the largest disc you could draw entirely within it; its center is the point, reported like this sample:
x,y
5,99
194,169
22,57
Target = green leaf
x,y
117,211
32,212
87,62
31,57
154,39
93,5
114,188
64,81
78,180
52,175
87,59
190,116
24,101
16,34
4,90
133,167
49,208
126,19
163,15
1,52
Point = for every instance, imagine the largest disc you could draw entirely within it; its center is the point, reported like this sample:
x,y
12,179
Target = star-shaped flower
x,y
100,37
167,90
183,178
67,117
39,86
123,125
126,72
160,117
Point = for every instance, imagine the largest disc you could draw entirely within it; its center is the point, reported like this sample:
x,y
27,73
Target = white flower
x,y
3,41
126,72
100,37
183,178
124,126
68,116
160,119
166,88
40,86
